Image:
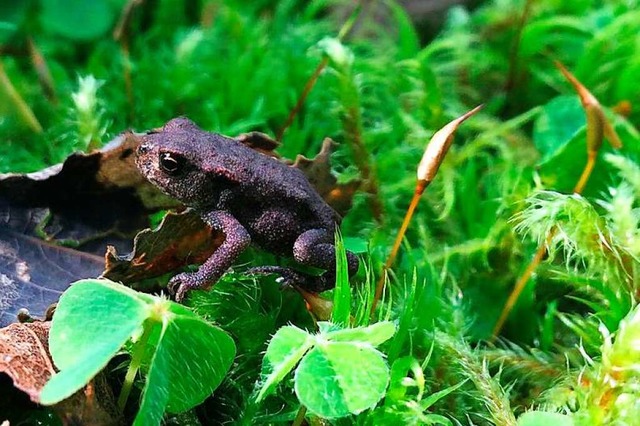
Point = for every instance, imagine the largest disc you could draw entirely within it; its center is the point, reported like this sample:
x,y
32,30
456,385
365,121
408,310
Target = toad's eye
x,y
172,164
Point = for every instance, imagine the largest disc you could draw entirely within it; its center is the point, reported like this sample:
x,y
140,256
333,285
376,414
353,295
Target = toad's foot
x,y
180,284
292,278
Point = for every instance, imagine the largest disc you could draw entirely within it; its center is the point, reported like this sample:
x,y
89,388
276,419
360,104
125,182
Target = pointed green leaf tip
x,y
95,318
342,294
374,335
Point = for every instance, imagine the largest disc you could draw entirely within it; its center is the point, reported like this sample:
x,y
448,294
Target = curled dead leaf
x,y
180,239
260,142
24,356
318,172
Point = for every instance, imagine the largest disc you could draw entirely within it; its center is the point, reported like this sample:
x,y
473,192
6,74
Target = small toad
x,y
249,196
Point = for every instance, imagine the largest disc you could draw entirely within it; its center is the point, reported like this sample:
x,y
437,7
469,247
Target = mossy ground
x,y
235,67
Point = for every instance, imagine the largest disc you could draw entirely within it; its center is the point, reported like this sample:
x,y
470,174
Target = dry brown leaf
x,y
318,172
261,142
180,239
24,356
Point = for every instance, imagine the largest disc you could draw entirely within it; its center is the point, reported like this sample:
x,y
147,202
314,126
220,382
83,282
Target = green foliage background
x,y
239,66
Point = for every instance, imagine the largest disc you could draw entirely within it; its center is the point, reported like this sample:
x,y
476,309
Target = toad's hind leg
x,y
316,248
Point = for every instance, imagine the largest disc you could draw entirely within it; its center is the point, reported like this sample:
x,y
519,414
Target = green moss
x,y
239,66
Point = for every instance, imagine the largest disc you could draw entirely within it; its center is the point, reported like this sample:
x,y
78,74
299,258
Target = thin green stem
x,y
302,412
134,365
22,107
514,54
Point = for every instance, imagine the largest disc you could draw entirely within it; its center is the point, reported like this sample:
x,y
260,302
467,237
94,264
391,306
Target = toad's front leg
x,y
236,240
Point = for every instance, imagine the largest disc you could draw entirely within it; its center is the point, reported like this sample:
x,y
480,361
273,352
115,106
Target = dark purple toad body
x,y
249,197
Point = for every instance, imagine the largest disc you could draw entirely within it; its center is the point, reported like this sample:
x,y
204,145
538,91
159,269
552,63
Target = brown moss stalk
x,y
311,82
352,123
122,35
514,53
427,169
22,108
303,97
42,70
598,127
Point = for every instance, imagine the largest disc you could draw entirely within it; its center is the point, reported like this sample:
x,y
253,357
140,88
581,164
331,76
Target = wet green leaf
x,y
185,360
337,379
93,320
